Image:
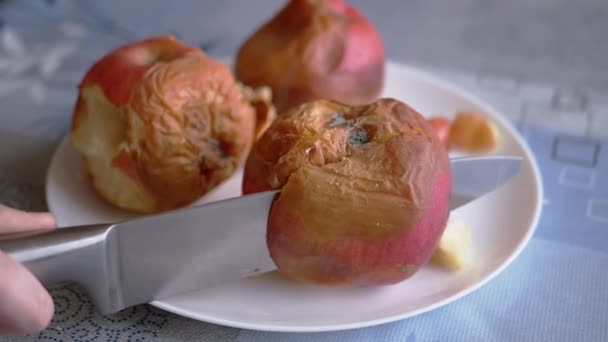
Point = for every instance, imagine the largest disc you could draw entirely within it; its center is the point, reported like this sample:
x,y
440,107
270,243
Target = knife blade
x,y
156,256
473,177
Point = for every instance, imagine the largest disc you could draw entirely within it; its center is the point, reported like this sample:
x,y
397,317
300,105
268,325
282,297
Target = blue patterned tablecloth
x,y
556,290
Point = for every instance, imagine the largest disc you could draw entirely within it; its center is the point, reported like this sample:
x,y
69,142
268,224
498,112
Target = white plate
x,y
502,224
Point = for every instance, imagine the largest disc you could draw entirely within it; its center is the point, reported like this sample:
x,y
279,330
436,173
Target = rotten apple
x,y
314,49
364,191
159,124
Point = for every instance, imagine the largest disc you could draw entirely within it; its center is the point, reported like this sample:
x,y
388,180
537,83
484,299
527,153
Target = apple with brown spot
x,y
159,124
364,195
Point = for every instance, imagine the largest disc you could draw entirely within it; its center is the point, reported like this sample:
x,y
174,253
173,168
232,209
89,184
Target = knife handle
x,y
77,254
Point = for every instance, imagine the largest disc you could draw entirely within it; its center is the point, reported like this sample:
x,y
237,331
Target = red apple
x,y
365,191
315,49
159,124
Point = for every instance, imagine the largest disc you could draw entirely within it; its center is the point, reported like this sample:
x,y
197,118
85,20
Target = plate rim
x,y
523,242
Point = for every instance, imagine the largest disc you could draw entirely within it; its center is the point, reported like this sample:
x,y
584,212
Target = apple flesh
x,y
454,251
314,49
473,132
364,191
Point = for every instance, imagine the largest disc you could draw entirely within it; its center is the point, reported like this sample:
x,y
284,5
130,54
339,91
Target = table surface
x,y
541,63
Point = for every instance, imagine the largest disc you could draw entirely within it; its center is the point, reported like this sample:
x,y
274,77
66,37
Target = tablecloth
x,y
556,290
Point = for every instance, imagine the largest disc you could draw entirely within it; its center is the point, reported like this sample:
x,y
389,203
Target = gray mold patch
x,y
358,136
338,120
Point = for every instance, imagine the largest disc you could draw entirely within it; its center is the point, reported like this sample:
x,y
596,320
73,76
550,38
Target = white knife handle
x,y
73,254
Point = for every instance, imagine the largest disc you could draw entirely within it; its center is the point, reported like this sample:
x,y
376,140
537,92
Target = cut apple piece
x,y
470,131
454,249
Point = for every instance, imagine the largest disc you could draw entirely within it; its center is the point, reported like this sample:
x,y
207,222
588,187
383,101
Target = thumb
x,y
25,306
14,221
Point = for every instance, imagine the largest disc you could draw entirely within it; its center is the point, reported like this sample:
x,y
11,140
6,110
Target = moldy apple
x,y
159,124
364,195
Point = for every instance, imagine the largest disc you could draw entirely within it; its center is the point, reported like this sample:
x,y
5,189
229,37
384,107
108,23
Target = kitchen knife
x,y
155,256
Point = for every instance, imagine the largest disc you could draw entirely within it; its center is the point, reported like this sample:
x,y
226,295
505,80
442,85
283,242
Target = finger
x,y
13,220
25,306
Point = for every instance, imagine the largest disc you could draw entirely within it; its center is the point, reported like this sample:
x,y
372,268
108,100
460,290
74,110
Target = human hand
x,y
25,305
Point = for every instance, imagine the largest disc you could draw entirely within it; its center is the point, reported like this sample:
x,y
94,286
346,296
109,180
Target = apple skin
x,y
304,251
352,211
441,126
119,72
159,124
314,49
